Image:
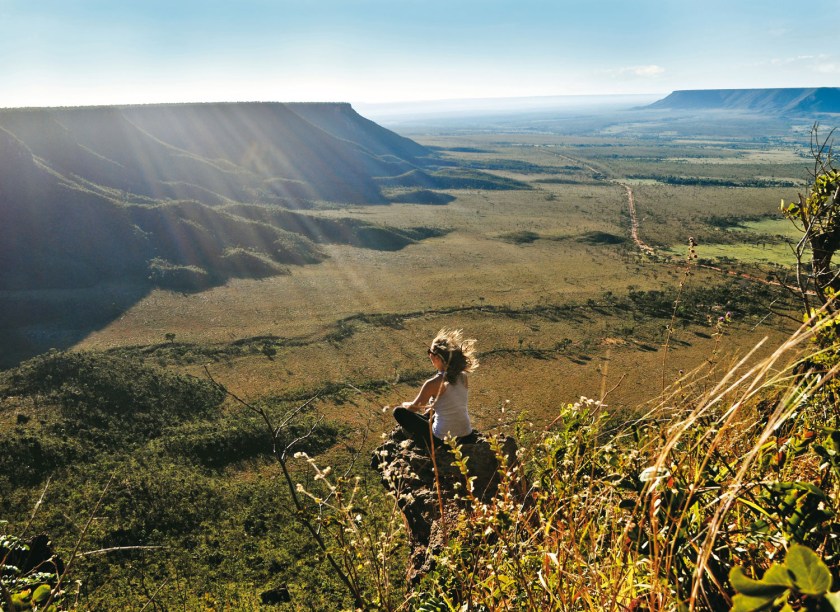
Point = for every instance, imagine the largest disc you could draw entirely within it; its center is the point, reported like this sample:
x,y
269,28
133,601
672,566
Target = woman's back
x,y
451,416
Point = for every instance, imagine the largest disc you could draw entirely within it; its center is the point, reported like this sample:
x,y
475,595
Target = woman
x,y
444,396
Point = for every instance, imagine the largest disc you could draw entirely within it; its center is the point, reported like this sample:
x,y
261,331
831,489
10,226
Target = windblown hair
x,y
458,355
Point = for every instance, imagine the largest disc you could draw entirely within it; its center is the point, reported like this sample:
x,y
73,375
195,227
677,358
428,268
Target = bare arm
x,y
430,389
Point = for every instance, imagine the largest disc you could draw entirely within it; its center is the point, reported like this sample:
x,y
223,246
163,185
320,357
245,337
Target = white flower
x,y
654,474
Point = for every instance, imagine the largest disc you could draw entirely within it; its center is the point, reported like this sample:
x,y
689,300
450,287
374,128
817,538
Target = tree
x,y
817,216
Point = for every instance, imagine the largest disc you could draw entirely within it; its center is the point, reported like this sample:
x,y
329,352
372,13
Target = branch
x,y
285,452
152,598
75,554
290,484
103,551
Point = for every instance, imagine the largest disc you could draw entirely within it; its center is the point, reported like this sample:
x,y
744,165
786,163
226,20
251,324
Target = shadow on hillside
x,y
33,322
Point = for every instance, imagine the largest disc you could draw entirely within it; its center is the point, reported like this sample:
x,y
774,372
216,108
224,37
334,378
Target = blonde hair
x,y
458,355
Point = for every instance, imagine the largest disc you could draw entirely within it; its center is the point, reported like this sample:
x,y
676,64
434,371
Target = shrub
x,y
106,401
219,443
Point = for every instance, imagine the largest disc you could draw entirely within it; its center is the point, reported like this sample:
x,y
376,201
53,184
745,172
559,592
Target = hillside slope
x,y
183,197
60,231
770,101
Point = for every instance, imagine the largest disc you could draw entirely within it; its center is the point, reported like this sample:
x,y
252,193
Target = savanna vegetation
x,y
209,449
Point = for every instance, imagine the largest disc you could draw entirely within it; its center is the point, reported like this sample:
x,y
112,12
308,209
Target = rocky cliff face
x,y
408,472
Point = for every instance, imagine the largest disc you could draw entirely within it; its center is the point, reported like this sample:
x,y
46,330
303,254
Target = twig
x,y
614,387
75,554
152,598
103,551
686,273
37,505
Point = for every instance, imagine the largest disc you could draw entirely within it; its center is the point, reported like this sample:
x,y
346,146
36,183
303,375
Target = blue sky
x,y
70,52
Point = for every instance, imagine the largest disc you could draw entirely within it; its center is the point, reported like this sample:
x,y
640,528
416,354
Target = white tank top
x,y
451,417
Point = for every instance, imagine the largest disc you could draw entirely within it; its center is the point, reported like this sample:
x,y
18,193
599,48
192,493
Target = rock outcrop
x,y
408,472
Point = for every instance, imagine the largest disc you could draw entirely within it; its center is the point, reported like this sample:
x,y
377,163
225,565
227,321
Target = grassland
x,y
472,273
547,279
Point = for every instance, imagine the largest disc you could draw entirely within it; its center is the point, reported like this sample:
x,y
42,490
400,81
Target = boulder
x,y
407,471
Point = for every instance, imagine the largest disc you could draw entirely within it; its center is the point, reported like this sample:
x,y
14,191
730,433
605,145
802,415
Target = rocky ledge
x,y
407,471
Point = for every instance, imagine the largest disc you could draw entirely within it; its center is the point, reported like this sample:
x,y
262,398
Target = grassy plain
x,y
480,276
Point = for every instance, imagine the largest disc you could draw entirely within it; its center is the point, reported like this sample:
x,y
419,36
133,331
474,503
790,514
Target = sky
x,y
86,52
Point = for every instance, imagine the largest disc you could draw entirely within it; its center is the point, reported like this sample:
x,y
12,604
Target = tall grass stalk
x,y
690,258
767,375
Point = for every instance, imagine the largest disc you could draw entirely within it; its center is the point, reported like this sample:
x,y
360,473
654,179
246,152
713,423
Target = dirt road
x,y
634,223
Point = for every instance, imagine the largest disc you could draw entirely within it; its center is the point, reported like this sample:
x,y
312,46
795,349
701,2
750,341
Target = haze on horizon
x,y
90,52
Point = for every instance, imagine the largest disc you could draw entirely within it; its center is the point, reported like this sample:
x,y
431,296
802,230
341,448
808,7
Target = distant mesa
x,y
782,101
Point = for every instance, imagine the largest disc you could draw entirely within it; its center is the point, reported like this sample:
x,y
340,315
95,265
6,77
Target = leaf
x,y
751,603
834,600
775,581
810,574
21,598
41,594
754,506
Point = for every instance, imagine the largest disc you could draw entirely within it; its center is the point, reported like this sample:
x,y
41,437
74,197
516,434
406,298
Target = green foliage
x,y
94,403
421,196
520,237
716,182
103,398
508,165
803,573
363,535
174,512
228,440
817,216
181,278
601,238
741,299
818,207
474,179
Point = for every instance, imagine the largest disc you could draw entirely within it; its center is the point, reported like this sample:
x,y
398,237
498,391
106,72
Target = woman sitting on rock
x,y
443,397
